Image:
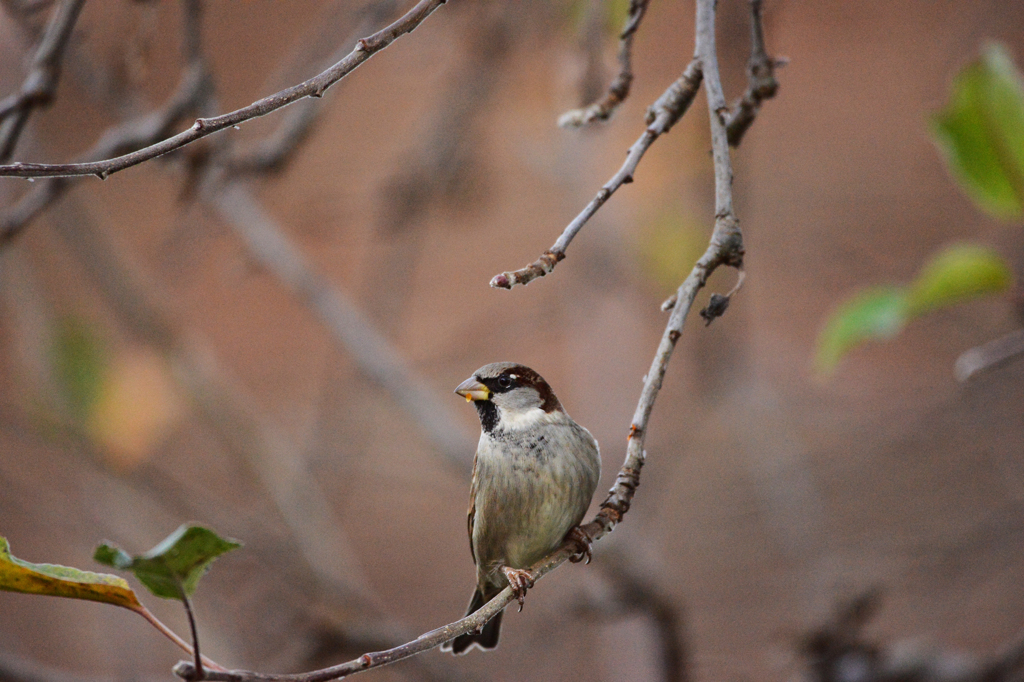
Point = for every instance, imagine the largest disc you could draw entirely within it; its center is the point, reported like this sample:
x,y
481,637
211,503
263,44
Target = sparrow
x,y
534,474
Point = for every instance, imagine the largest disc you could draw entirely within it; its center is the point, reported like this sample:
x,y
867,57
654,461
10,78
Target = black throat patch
x,y
488,412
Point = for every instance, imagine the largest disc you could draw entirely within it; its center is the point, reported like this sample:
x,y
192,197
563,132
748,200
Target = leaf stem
x,y
172,635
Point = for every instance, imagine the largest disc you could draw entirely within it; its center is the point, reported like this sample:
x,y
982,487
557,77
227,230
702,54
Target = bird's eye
x,y
504,381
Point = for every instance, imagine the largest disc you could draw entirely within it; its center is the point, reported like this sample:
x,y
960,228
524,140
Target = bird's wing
x,y
471,514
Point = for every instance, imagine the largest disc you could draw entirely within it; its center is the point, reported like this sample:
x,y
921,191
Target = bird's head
x,y
509,396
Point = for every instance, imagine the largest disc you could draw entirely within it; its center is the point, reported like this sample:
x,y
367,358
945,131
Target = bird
x,y
534,474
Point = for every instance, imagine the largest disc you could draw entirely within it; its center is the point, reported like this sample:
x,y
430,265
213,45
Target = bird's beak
x,y
471,389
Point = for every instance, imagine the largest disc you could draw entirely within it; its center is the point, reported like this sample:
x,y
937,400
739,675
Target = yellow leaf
x,y
62,581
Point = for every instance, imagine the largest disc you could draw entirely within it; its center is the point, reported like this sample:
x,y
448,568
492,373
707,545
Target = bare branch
x,y
618,91
203,127
990,355
661,116
707,55
761,78
41,82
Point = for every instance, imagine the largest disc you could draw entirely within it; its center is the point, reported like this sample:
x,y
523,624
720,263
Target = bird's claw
x,y
520,581
584,545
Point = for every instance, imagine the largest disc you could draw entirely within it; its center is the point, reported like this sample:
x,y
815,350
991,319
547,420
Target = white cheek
x,y
519,420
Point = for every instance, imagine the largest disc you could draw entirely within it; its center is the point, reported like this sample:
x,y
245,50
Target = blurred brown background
x,y
769,493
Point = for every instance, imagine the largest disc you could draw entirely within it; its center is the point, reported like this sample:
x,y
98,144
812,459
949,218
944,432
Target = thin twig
x,y
41,82
314,87
761,80
618,90
661,116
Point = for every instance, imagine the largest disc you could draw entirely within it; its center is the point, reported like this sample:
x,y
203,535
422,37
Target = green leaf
x,y
981,133
877,313
62,581
959,273
174,565
79,363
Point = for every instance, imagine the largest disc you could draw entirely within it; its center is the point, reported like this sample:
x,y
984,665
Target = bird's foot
x,y
520,581
584,545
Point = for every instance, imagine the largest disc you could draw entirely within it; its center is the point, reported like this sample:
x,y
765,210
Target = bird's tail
x,y
487,638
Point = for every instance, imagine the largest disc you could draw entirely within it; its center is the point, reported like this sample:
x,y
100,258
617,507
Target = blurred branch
x,y
838,651
661,116
726,248
837,644
990,355
618,91
203,127
41,82
761,76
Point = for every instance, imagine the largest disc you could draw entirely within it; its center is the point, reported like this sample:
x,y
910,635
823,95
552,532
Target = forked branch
x,y
661,116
